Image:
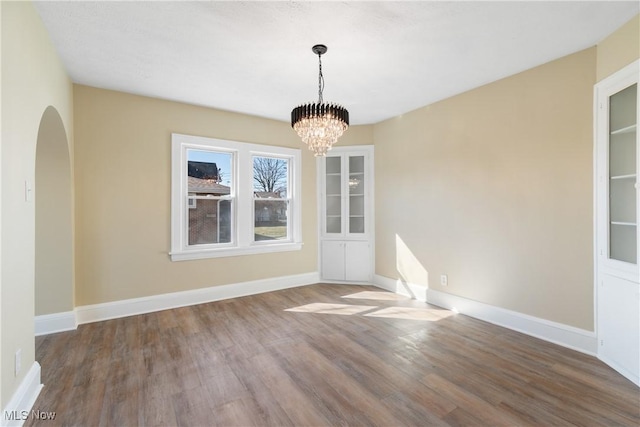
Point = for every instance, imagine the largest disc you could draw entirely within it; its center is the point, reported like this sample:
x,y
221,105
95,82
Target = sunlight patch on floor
x,y
404,313
379,296
408,313
325,308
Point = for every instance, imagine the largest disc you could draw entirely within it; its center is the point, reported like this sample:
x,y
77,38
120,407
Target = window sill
x,y
187,255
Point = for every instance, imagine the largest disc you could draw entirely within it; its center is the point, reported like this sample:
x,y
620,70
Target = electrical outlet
x,y
18,362
443,280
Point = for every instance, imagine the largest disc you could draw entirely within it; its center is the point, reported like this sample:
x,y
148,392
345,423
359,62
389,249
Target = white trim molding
x,y
241,198
69,320
57,322
19,407
564,335
567,336
622,370
132,307
401,287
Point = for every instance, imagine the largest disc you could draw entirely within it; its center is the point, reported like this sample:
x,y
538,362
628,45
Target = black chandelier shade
x,y
309,111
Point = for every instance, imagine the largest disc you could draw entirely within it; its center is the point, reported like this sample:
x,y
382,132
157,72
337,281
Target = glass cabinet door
x,y
356,195
333,192
623,170
345,195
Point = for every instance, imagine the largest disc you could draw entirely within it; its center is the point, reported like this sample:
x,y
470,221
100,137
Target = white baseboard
x,y
622,370
131,307
557,333
56,322
400,287
67,321
19,407
564,335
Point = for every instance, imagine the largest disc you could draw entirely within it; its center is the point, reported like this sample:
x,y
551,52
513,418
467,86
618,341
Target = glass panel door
x,y
356,195
623,170
333,192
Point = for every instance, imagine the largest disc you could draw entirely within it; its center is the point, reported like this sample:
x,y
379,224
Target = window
x,y
233,198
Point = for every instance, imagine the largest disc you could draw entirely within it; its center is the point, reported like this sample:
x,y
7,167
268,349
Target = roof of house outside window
x,y
267,194
203,170
207,186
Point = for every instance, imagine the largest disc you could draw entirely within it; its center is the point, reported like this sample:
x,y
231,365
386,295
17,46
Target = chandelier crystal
x,y
320,124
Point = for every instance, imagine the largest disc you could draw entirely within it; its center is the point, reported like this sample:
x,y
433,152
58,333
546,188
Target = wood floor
x,y
321,355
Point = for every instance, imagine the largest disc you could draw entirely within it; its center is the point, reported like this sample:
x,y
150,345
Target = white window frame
x,y
242,221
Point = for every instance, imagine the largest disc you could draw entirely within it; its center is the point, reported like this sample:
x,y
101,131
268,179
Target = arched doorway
x,y
54,218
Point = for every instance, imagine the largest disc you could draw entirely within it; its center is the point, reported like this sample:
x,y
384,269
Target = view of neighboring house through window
x,y
270,198
210,199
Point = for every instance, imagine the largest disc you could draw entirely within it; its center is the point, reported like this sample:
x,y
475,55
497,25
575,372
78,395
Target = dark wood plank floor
x,y
322,355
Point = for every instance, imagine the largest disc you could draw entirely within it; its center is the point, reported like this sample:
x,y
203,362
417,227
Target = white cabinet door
x,y
333,260
619,325
357,261
346,260
617,173
357,204
333,190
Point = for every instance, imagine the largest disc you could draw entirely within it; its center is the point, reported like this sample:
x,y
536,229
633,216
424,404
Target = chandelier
x,y
319,125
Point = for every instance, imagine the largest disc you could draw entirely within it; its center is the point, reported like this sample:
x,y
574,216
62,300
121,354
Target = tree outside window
x,y
271,203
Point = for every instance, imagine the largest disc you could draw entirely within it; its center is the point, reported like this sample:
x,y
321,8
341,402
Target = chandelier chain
x,y
320,80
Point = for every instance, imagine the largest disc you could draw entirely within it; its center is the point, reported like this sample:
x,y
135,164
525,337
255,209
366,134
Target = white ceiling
x,y
384,58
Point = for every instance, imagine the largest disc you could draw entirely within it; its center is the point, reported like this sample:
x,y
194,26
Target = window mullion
x,y
244,225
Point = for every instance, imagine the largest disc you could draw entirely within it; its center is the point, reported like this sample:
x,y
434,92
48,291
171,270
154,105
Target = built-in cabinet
x,y
346,214
617,206
346,260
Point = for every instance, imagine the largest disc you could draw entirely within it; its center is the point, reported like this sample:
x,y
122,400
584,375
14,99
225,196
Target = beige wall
x,y
32,79
619,49
123,182
494,188
54,218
